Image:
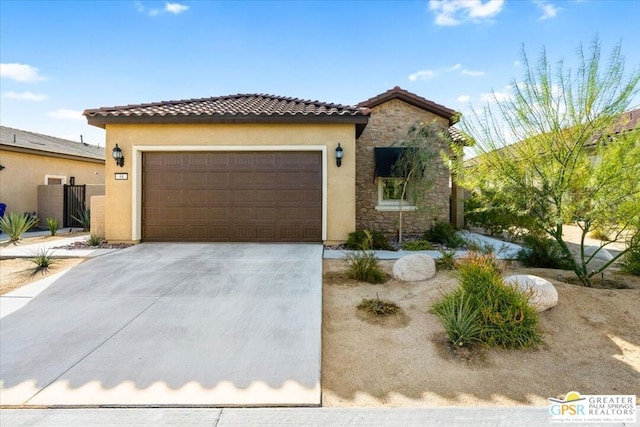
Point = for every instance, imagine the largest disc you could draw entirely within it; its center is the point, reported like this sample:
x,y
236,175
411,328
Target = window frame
x,y
392,204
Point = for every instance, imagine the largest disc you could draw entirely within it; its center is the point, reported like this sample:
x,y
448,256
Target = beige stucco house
x,y
252,167
29,160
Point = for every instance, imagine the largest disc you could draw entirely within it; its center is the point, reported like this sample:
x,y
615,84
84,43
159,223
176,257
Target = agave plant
x,y
84,218
15,225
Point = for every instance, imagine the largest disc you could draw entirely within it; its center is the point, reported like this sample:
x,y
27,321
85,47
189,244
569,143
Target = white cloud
x,y
472,73
495,96
517,64
422,75
429,74
175,8
25,96
66,114
456,12
548,10
464,98
20,72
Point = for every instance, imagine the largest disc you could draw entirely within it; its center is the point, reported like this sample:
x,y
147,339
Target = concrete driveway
x,y
172,324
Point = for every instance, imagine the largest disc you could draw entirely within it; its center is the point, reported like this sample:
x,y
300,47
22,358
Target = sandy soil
x,y
591,344
17,272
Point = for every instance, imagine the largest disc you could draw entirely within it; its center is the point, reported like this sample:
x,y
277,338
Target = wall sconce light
x,y
339,155
117,155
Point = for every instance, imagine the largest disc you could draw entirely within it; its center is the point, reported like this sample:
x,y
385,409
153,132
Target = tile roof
x,y
231,108
16,139
413,99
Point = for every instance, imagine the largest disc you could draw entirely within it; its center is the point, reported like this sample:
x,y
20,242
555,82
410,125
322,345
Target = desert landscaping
x,y
590,344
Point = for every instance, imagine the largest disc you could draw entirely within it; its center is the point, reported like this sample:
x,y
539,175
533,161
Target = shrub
x,y
94,240
445,234
631,261
378,240
417,245
52,223
377,307
84,218
446,261
460,320
600,234
543,253
363,266
505,317
15,225
42,258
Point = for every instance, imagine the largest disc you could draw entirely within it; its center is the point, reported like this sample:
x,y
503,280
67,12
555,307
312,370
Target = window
x,y
389,183
390,193
54,180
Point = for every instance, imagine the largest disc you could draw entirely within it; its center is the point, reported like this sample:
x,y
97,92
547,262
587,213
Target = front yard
x,y
590,344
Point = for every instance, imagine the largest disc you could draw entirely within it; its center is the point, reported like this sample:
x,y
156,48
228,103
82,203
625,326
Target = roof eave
x,y
36,152
102,121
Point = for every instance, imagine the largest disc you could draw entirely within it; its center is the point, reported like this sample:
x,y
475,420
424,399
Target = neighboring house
x,y
255,167
28,160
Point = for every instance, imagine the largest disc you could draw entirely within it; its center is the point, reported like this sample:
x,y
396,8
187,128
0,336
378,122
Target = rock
x,y
602,253
542,294
413,268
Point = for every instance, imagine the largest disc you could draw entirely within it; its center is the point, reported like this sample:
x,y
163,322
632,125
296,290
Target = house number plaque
x,y
121,176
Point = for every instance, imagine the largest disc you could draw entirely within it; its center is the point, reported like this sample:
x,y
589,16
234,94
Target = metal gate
x,y
74,198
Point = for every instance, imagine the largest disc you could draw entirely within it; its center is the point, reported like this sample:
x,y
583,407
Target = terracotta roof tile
x,y
413,99
240,105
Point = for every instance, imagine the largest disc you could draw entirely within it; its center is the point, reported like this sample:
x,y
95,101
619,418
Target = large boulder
x,y
542,294
602,254
415,267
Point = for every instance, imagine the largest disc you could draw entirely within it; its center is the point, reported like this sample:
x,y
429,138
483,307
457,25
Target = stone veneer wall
x,y
389,123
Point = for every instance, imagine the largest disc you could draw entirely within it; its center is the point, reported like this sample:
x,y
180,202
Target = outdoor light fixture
x,y
117,155
339,155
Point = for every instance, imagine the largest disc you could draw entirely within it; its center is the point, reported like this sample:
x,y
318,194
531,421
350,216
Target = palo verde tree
x,y
575,160
418,164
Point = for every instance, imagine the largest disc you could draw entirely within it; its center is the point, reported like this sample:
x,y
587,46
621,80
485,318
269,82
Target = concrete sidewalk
x,y
503,250
265,417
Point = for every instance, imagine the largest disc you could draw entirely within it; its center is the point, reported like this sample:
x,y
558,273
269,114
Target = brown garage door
x,y
232,197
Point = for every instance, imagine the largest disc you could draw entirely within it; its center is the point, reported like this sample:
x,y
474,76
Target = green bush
x,y
460,320
84,218
15,225
505,317
52,223
417,245
364,267
445,234
631,261
446,261
42,258
94,240
542,252
379,241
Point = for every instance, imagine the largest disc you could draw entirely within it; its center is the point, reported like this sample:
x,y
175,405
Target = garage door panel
x,y
218,180
232,196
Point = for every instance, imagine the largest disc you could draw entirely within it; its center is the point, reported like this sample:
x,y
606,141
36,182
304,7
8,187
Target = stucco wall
x,y
51,202
123,197
24,172
389,124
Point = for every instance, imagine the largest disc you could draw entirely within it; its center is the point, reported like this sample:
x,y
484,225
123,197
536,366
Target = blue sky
x,y
61,57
